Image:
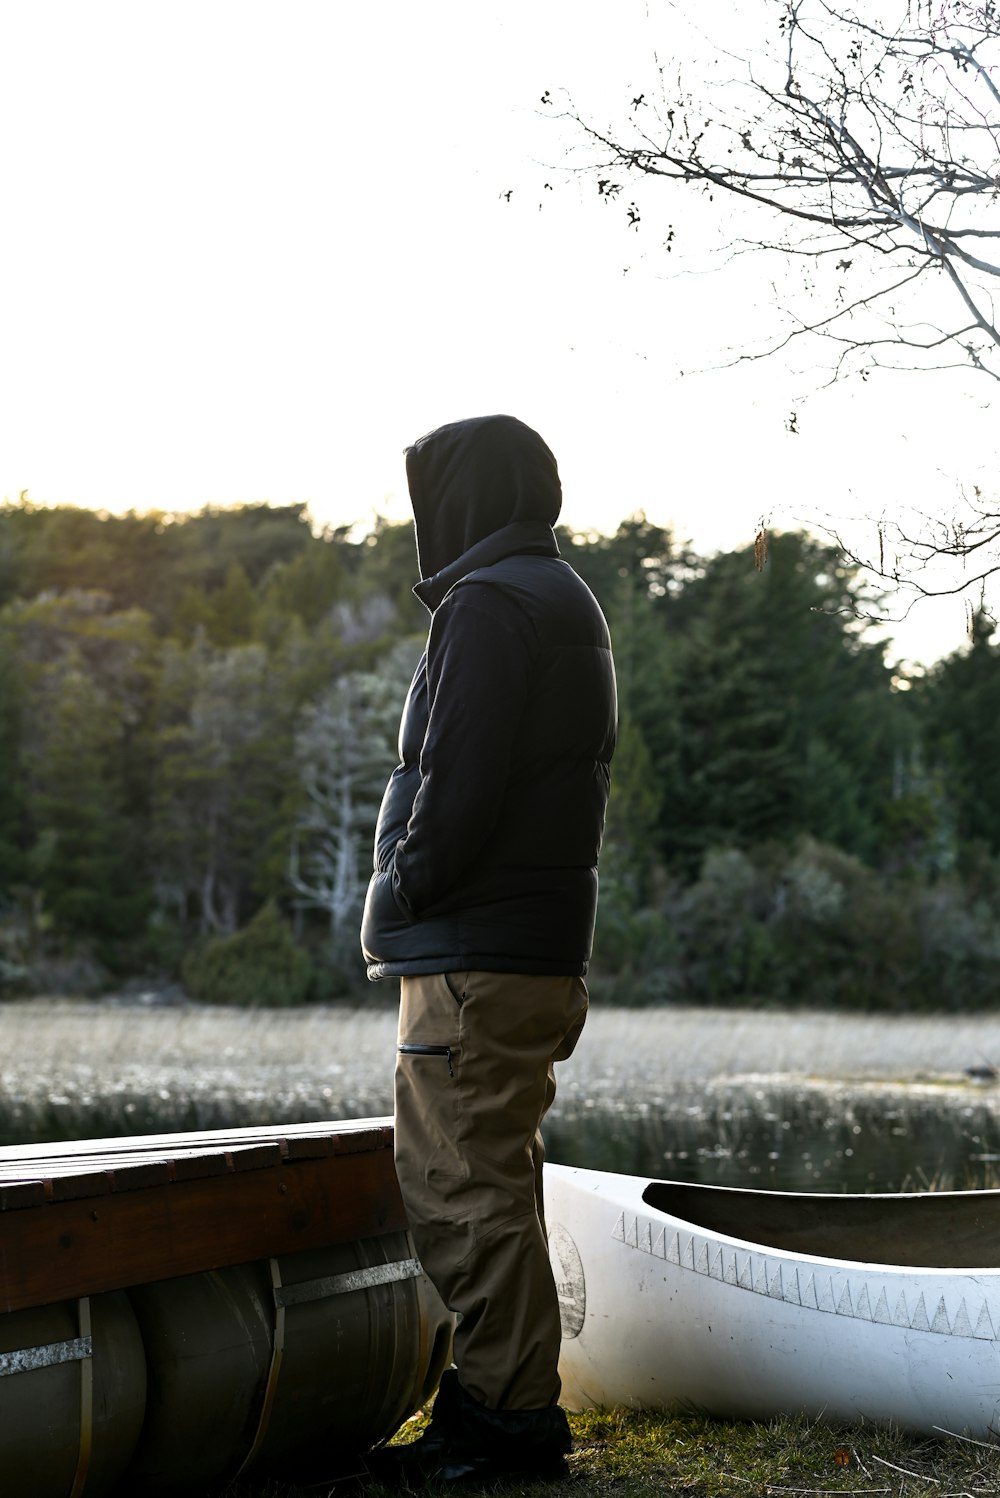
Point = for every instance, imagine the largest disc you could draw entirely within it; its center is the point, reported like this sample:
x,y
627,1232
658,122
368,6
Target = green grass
x,y
621,1454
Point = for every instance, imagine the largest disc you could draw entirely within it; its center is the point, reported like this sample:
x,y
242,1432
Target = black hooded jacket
x,y
488,837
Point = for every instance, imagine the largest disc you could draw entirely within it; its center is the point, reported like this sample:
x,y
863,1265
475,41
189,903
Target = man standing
x,y
483,903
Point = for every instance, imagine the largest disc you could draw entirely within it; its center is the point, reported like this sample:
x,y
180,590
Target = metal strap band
x,y
86,1404
342,1284
45,1357
277,1353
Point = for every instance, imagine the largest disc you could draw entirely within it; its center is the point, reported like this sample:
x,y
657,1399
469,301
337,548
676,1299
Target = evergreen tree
x,y
83,857
783,719
384,563
309,585
960,708
12,819
84,673
223,765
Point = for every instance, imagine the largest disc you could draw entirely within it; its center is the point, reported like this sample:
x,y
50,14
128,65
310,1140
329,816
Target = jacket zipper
x,y
427,1050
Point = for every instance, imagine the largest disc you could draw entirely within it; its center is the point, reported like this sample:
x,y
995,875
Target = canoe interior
x,y
923,1230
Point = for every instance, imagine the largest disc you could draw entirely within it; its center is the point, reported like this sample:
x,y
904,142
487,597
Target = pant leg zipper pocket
x,y
427,1050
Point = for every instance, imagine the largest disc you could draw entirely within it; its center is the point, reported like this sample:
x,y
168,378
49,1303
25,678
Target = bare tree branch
x,y
932,556
876,141
861,141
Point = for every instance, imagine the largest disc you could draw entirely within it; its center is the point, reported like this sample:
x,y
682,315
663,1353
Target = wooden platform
x,y
87,1216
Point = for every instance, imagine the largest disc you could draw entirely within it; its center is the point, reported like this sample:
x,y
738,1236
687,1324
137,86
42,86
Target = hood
x,y
472,478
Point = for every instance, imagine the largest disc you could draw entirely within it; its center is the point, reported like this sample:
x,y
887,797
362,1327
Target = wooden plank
x,y
25,1193
255,1148
194,1167
308,1146
349,1133
78,1165
72,1187
72,1247
255,1156
347,1143
137,1176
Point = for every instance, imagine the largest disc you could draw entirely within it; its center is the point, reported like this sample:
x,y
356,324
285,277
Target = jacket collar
x,y
521,538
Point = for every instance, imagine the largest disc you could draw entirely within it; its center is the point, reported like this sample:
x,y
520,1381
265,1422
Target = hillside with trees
x,y
198,714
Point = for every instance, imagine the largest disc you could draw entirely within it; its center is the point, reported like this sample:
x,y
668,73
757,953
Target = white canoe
x,y
750,1304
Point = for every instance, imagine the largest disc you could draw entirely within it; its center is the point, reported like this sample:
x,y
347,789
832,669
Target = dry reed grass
x,y
670,1043
212,1067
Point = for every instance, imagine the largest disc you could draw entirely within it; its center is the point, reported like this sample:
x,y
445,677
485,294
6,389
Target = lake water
x,y
814,1139
791,1102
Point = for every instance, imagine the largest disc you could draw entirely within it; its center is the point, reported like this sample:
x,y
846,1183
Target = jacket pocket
x,y
407,1048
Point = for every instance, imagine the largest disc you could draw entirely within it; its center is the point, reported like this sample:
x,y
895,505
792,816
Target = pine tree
x,y
960,710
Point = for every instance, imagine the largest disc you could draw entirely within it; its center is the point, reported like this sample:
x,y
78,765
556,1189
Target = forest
x,y
198,714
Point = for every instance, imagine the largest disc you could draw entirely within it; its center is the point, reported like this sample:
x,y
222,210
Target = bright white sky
x,y
251,250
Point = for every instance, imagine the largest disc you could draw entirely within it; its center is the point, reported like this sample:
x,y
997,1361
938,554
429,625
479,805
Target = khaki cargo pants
x,y
474,1080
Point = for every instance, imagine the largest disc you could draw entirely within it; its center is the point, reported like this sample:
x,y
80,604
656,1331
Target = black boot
x,y
418,1461
486,1446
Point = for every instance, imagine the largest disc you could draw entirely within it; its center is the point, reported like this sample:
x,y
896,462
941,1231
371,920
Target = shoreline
x,y
341,1057
768,1098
